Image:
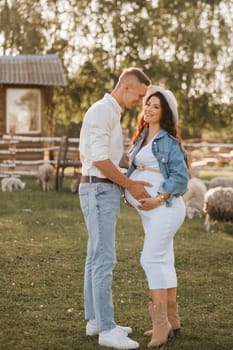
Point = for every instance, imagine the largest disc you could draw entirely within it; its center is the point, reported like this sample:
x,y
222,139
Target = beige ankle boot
x,y
162,329
173,317
149,332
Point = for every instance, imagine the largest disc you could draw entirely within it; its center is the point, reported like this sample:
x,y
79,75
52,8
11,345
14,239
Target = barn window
x,y
23,110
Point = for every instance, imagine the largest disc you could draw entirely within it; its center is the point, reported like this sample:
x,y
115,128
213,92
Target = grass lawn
x,y
42,254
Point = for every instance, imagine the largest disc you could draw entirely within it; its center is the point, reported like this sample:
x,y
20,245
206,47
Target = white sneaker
x,y
117,339
92,330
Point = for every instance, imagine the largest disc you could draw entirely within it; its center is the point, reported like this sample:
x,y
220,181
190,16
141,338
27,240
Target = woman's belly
x,y
154,178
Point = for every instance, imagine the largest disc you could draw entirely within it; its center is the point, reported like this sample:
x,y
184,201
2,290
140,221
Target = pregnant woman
x,y
158,158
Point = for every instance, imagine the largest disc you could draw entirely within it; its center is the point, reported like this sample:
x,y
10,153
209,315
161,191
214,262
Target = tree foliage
x,y
185,45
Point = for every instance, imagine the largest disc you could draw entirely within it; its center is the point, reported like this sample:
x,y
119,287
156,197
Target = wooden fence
x,y
210,156
21,155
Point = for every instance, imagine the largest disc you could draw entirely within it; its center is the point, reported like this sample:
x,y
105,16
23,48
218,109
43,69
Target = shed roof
x,y
32,70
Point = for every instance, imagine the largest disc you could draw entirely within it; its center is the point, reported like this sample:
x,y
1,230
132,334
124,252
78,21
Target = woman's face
x,y
153,111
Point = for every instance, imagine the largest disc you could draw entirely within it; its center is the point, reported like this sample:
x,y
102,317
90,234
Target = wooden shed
x,y
27,85
26,92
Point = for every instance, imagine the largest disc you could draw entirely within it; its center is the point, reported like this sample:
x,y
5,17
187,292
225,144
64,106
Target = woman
x,y
157,157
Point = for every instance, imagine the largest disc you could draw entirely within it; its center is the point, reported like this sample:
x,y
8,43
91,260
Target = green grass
x,y
42,254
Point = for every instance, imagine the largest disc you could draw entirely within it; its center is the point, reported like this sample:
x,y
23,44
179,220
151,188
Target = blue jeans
x,y
100,203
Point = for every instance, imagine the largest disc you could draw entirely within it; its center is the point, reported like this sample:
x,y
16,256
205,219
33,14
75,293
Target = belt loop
x,y
90,179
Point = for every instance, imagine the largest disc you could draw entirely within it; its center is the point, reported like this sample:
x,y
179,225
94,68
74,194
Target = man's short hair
x,y
137,73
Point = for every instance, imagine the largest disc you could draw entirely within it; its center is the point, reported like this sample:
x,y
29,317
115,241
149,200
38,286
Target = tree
x,y
187,46
180,44
21,33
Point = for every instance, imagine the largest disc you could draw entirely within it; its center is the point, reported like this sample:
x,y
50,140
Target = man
x,y
101,149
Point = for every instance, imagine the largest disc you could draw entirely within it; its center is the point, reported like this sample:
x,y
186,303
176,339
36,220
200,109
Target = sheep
x,y
224,181
218,205
44,175
12,184
194,198
75,184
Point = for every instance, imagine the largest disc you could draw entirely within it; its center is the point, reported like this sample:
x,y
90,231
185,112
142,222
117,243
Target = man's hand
x,y
137,189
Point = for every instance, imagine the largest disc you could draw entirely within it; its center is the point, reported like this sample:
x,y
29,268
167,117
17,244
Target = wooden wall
x,y
46,103
2,110
46,107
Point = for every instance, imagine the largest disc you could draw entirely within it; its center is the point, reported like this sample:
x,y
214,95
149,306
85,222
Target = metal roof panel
x,y
32,70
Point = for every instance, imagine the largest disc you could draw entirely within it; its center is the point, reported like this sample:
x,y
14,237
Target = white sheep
x,y
224,181
218,205
45,175
12,183
194,198
74,186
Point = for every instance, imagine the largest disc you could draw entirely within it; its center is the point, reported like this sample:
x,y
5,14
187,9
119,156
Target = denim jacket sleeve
x,y
173,166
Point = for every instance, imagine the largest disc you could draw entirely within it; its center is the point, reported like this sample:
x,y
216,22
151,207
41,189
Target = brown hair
x,y
166,123
137,73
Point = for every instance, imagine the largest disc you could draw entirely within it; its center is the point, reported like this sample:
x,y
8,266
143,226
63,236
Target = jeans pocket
x,y
84,199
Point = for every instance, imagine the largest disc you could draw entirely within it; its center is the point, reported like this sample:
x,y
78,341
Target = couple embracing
x,y
156,180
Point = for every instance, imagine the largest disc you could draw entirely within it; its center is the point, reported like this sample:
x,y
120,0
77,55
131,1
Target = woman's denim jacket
x,y
172,163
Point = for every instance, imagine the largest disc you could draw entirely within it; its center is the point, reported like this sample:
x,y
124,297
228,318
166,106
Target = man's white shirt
x,y
101,135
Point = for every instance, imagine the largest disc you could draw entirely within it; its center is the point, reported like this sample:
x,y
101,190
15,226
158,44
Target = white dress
x,y
160,225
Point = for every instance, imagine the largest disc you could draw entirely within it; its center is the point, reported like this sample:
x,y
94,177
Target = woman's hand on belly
x,y
149,203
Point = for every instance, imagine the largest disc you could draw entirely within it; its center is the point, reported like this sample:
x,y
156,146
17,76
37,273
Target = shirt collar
x,y
114,103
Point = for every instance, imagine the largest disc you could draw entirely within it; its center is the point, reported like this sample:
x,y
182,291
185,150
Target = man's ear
x,y
127,86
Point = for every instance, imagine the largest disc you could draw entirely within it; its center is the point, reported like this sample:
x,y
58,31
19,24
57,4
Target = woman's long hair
x,y
166,123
